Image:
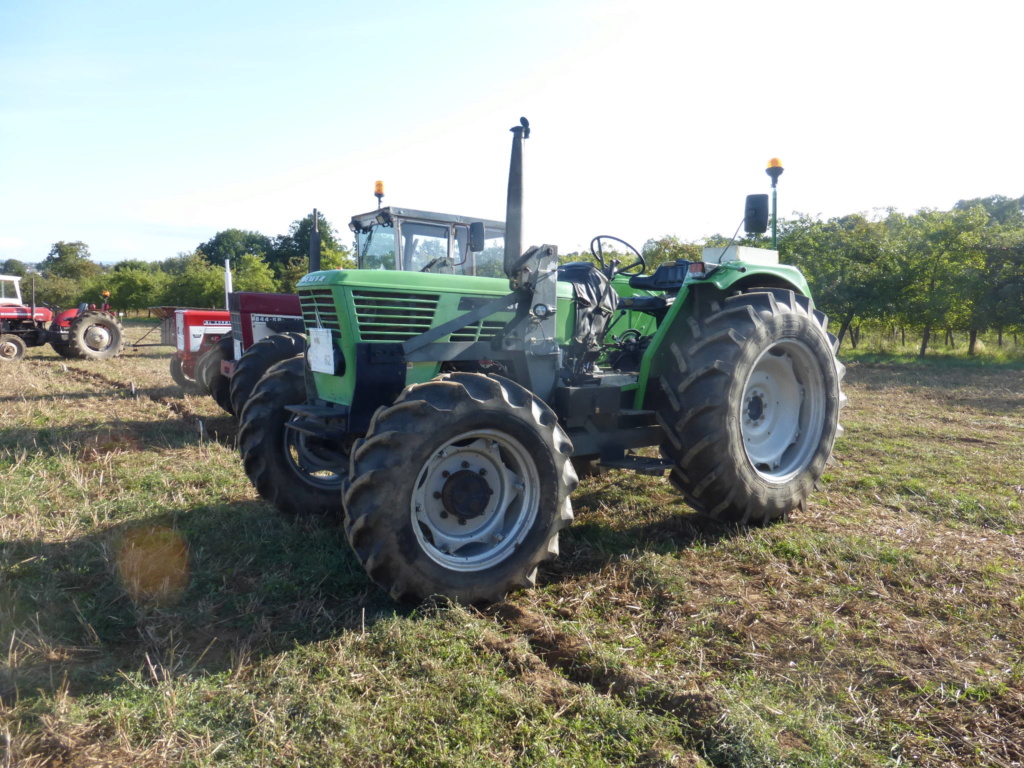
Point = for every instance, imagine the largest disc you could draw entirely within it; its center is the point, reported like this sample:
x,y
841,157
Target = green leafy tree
x,y
1001,210
232,244
13,267
70,260
296,243
146,266
945,248
59,292
668,249
134,289
850,262
252,273
198,284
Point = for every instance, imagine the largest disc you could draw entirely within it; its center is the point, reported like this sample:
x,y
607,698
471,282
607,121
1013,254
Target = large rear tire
x,y
752,406
459,489
95,336
296,472
256,361
11,348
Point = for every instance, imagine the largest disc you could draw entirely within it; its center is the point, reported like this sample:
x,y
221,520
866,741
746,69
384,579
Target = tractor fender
x,y
63,319
726,280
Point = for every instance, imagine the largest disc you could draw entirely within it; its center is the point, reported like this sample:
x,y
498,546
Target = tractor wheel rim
x,y
782,412
476,498
97,338
8,350
310,460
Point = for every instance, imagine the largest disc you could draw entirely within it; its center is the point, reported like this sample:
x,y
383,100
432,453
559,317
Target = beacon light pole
x,y
774,170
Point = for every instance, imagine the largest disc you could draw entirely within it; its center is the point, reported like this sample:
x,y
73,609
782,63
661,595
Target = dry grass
x,y
153,612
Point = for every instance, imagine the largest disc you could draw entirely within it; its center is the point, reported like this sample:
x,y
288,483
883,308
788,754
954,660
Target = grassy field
x,y
154,612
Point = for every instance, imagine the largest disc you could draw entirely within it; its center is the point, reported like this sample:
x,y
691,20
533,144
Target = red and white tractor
x,y
87,333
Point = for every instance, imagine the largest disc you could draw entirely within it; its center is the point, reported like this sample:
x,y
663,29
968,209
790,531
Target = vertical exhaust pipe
x,y
514,204
314,244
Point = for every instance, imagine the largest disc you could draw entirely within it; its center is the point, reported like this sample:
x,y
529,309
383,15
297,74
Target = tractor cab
x,y
407,240
10,291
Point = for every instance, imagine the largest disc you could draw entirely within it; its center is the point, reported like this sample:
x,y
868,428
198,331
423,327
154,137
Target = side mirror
x,y
755,219
476,236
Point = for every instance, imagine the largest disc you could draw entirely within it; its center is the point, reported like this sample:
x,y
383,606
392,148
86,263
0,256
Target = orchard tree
x,y
198,284
850,262
944,249
252,274
134,288
668,249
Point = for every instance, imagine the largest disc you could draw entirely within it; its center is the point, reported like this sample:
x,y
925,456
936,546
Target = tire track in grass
x,y
568,661
219,429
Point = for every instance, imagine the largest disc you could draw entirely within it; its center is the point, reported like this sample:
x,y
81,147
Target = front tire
x,y
296,472
752,406
95,336
191,386
459,489
256,361
208,374
11,348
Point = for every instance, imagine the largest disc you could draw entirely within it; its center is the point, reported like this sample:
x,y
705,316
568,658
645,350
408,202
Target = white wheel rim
x,y
97,338
783,410
487,480
8,350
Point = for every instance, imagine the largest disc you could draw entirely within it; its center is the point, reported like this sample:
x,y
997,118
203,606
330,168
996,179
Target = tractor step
x,y
324,423
642,465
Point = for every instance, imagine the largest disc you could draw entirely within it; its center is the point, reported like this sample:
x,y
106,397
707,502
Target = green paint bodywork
x,y
391,306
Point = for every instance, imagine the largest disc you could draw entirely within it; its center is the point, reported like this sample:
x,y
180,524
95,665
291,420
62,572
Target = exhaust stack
x,y
314,243
514,204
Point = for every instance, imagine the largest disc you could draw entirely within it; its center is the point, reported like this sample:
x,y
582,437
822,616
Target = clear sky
x,y
143,128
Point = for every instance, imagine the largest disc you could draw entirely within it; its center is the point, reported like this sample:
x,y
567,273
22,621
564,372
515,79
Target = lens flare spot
x,y
153,565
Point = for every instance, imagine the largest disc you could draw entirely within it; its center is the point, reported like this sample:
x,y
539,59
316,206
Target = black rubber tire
x,y
208,374
256,361
711,399
475,421
191,386
11,348
60,347
296,473
81,344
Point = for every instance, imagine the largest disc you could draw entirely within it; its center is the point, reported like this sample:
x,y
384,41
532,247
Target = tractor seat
x,y
594,299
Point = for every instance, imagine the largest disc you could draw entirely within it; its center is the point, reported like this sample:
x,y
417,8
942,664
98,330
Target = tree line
x,y
69,276
926,273
931,272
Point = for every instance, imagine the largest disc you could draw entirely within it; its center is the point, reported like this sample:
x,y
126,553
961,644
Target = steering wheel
x,y
637,267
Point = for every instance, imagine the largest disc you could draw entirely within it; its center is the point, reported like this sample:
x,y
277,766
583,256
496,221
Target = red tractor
x,y
193,333
210,344
87,333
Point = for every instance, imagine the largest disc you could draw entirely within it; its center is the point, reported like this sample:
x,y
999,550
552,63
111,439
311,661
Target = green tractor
x,y
453,409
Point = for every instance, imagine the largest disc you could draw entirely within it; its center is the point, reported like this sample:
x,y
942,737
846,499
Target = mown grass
x,y
154,612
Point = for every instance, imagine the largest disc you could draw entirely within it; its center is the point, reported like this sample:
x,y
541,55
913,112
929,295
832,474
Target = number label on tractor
x,y
321,350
